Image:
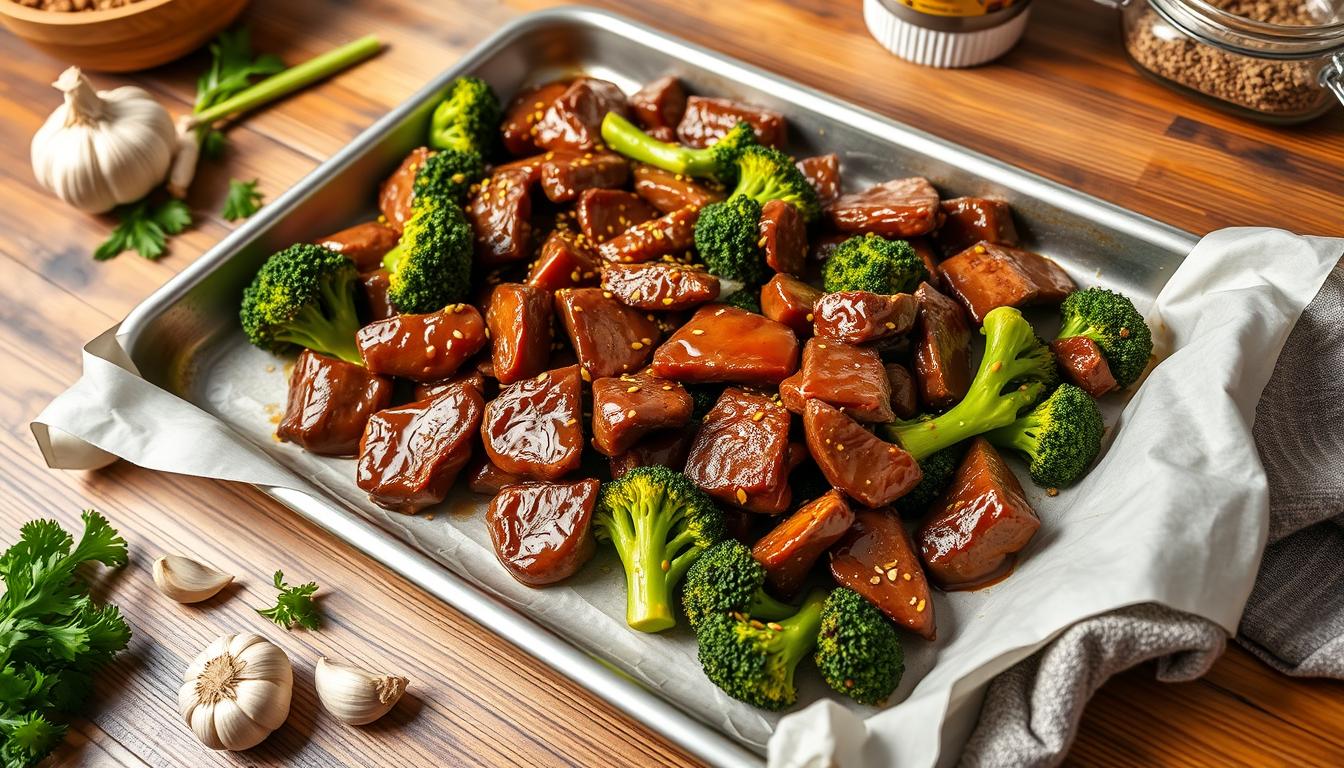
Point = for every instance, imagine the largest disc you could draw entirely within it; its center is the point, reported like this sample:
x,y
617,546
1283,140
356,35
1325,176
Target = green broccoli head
x,y
449,175
874,264
1111,320
1060,437
467,119
1012,376
727,579
430,267
703,398
766,174
747,299
727,237
938,471
754,661
718,161
858,651
660,523
303,296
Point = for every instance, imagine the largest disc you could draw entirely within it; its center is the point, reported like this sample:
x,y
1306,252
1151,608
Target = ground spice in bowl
x,y
1265,86
74,5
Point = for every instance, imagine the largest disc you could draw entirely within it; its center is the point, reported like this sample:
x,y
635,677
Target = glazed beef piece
x,y
565,173
563,263
422,347
397,192
659,107
740,455
969,220
783,237
1083,364
608,337
526,110
904,403
823,173
668,191
468,376
848,377
707,120
980,525
519,319
924,249
376,304
671,234
365,244
485,478
899,208
942,349
859,317
659,286
533,428
868,469
791,548
726,344
667,448
329,403
788,300
500,215
574,119
542,532
987,276
411,454
877,560
627,408
606,213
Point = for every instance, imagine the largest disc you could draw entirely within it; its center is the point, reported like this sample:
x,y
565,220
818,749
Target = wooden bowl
x,y
136,36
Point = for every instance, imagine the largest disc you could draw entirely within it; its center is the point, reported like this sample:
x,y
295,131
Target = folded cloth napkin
x,y
1294,619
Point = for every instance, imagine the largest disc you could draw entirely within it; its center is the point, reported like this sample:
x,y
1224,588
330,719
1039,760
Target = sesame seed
x,y
875,580
761,243
757,416
457,334
571,422
741,496
585,375
775,626
667,388
543,375
666,565
667,302
821,346
980,249
809,317
698,332
431,350
912,600
630,414
919,608
632,390
647,340
877,569
891,326
905,576
636,345
839,446
891,575
1051,491
606,294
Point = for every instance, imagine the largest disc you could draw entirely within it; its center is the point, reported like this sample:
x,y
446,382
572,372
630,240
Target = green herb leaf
x,y
294,605
144,229
232,68
243,199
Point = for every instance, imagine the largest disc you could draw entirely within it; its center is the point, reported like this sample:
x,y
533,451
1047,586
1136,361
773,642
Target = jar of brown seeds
x,y
1272,60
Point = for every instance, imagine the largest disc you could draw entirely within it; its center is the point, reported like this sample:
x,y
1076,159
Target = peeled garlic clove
x,y
188,581
354,695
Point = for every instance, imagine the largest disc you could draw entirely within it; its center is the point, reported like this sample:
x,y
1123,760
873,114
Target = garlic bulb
x,y
353,695
188,581
102,148
236,692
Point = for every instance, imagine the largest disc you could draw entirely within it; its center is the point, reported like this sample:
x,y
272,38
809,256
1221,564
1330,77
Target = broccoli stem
x,y
767,608
331,335
644,549
626,138
1077,326
797,635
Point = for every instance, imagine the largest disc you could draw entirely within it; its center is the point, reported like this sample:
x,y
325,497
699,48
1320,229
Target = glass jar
x,y
1272,60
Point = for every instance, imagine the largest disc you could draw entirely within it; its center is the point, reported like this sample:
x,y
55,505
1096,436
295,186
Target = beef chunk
x,y
667,448
397,192
659,105
969,220
566,173
898,209
329,403
668,191
627,408
532,429
500,215
365,244
608,337
707,120
607,213
519,319
528,107
563,263
1082,363
859,317
788,300
904,403
868,469
411,454
723,343
783,237
740,455
942,349
823,172
574,120
671,234
422,347
877,560
659,286
987,276
542,532
791,548
848,377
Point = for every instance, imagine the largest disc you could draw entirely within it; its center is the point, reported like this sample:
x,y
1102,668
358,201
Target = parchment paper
x,y
1174,513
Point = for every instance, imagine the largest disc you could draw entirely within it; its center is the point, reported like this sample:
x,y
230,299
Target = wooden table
x,y
1065,104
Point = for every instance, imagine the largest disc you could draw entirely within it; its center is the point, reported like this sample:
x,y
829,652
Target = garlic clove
x,y
353,695
188,581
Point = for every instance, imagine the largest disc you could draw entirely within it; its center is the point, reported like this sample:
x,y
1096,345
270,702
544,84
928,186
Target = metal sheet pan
x,y
182,324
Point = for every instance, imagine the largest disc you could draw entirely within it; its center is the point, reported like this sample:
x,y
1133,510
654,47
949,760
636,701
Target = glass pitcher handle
x,y
1332,75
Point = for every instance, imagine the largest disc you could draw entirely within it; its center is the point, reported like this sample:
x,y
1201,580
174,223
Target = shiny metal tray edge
x,y
587,671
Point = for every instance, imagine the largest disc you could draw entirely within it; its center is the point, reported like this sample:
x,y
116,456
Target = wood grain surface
x,y
1065,104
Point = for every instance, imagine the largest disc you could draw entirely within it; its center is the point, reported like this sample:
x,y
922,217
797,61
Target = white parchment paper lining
x,y
1174,513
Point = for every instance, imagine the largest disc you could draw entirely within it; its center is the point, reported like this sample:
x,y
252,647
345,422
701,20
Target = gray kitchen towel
x,y
1294,619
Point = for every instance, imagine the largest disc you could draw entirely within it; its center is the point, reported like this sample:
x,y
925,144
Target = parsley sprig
x,y
232,69
243,200
144,228
294,605
53,637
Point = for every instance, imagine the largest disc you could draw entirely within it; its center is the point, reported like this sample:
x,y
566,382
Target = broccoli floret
x,y
1060,437
303,296
659,522
1111,320
874,264
747,299
938,471
449,175
727,236
754,661
430,267
727,579
858,651
766,174
718,161
1011,377
703,398
467,118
